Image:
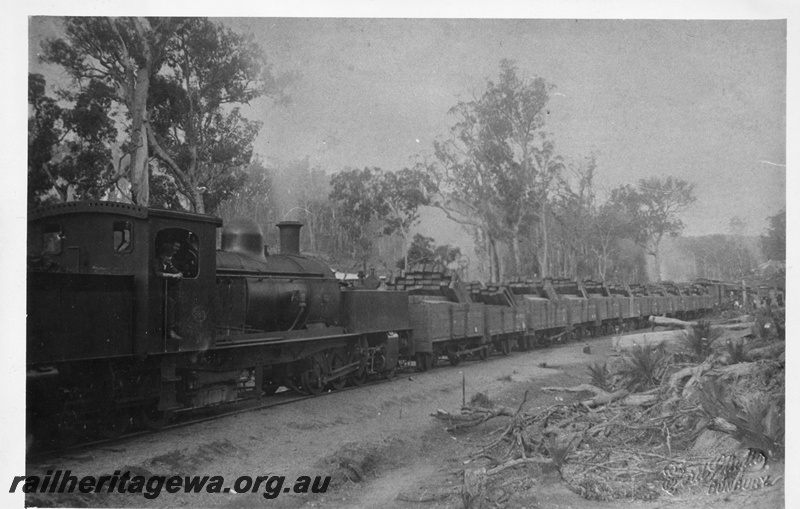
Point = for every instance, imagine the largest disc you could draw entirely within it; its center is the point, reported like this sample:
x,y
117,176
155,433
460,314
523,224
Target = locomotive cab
x,y
93,288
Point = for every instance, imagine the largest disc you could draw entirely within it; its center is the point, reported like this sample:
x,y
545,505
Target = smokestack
x,y
290,237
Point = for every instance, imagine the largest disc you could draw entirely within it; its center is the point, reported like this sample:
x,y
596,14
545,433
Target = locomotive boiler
x,y
281,292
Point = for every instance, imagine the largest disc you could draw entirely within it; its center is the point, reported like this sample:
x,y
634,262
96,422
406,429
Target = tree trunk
x,y
139,177
497,271
544,263
405,251
657,261
515,247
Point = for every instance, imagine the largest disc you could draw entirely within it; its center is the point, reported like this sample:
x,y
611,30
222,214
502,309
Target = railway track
x,y
193,417
189,418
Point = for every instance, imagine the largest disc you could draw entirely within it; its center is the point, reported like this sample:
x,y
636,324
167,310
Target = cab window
x,y
52,237
123,237
179,248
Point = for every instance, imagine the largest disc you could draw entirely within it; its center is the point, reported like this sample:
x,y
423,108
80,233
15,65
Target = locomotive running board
x,y
283,340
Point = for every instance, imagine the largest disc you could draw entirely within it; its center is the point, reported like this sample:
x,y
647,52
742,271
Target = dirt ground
x,y
379,444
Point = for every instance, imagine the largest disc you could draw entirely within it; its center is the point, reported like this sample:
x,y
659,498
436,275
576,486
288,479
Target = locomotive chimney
x,y
290,237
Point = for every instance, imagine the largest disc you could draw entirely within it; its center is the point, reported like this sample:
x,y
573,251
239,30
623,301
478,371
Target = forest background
x,y
152,112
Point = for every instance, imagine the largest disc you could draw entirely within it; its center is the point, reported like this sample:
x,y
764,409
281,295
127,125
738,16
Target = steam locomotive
x,y
114,339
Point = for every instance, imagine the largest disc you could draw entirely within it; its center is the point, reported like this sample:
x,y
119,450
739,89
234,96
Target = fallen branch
x,y
578,388
426,496
472,417
669,322
604,399
519,461
639,399
766,352
692,372
736,326
647,338
736,370
472,489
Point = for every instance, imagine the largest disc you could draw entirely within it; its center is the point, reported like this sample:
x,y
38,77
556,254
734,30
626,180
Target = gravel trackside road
x,y
378,443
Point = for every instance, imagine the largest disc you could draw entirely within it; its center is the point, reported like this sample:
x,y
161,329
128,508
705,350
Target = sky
x,y
704,101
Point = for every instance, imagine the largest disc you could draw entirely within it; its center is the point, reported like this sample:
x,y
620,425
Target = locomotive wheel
x,y
312,377
114,423
154,419
337,361
358,378
312,381
379,361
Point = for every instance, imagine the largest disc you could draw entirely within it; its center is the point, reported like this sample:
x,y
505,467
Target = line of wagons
x,y
112,342
454,321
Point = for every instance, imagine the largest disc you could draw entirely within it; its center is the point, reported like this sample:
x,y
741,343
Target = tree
x,y
178,81
197,135
653,206
304,196
773,244
68,148
255,199
607,228
392,199
356,193
718,256
122,54
403,193
424,250
499,164
573,209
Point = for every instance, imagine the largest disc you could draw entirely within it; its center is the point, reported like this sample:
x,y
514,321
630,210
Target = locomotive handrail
x,y
230,343
255,273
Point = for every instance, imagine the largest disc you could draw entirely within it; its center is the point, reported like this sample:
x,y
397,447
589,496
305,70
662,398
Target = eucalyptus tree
x,y
773,242
68,143
122,55
497,170
391,200
197,131
179,82
653,205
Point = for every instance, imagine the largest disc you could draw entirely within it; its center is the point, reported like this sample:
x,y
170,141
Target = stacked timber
x,y
431,280
493,294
